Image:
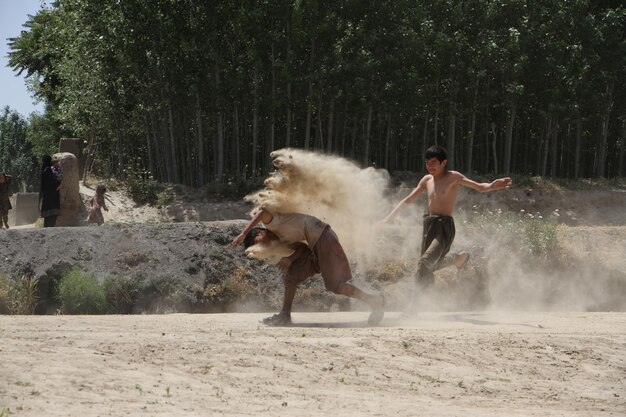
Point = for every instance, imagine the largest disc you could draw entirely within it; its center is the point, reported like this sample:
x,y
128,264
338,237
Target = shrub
x,y
5,288
540,236
538,232
81,294
144,190
121,293
18,297
23,295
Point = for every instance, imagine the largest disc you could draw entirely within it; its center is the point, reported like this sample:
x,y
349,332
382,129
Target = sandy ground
x,y
435,364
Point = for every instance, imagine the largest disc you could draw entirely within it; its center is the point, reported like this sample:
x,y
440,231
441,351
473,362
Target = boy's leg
x,y
299,270
335,269
428,263
376,302
288,296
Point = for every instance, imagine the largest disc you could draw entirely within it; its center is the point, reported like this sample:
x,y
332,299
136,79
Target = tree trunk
x,y
577,147
255,121
200,142
622,141
545,139
236,153
608,97
368,131
387,143
470,143
288,57
553,148
424,139
343,136
174,163
288,121
309,111
219,174
451,134
272,139
309,107
494,149
508,141
331,121
320,130
353,139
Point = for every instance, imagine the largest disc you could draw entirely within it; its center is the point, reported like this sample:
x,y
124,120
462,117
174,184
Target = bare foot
x,y
378,311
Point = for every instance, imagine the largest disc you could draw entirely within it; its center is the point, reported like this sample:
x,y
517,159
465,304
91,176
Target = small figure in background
x,y
97,204
5,203
49,195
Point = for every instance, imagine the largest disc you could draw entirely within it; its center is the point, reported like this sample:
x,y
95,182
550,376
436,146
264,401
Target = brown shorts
x,y
327,258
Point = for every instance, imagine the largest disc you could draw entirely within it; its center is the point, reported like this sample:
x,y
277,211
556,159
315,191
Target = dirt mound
x,y
178,263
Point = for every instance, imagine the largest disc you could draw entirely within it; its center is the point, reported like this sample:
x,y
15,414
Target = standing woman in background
x,y
5,203
49,195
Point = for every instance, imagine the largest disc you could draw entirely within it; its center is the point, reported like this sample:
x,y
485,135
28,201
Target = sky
x,y
13,91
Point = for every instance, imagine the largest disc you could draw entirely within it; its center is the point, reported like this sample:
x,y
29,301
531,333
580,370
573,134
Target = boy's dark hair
x,y
249,239
436,151
101,189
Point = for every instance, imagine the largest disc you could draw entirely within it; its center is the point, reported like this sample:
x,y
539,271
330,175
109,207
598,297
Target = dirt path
x,y
470,364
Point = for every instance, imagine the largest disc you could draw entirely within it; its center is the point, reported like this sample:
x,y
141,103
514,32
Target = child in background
x,y
5,203
97,204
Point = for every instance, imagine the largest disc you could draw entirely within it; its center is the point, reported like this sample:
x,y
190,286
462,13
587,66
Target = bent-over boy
x,y
316,249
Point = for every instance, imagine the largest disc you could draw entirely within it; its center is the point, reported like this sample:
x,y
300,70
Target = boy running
x,y
442,188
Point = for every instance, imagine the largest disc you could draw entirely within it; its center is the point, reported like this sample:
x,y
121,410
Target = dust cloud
x,y
501,275
352,200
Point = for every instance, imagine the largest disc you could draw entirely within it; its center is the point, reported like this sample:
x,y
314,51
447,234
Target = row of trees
x,y
191,91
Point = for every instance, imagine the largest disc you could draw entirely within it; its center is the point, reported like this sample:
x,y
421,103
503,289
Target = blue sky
x,y
13,91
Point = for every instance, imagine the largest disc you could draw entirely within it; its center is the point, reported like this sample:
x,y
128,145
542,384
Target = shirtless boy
x,y
442,188
316,249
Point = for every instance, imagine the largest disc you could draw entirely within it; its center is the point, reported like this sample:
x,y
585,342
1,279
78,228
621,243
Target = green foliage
x,y
44,132
232,188
201,91
16,151
80,293
142,187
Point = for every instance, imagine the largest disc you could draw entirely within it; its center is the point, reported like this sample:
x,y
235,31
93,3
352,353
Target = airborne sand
x,y
444,364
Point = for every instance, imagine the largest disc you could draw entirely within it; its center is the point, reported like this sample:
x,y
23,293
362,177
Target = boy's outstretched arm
x,y
484,187
262,215
421,187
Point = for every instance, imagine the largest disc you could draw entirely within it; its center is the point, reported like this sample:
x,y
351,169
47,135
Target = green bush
x,y
80,293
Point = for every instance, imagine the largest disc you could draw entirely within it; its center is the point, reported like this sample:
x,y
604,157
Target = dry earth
x,y
488,363
444,364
